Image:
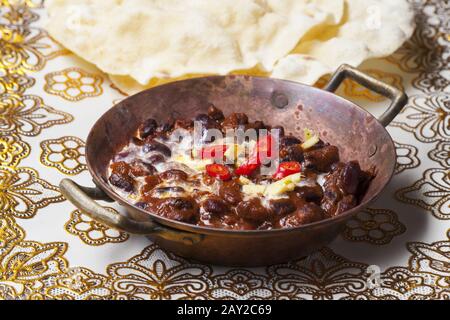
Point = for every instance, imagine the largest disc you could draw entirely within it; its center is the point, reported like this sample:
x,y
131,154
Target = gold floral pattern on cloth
x,y
78,284
418,52
22,192
156,274
26,49
32,261
424,51
432,258
431,193
67,154
406,157
73,84
376,226
14,83
92,232
9,232
321,276
18,12
433,81
9,292
240,285
25,4
441,154
26,262
433,77
15,291
12,150
403,284
428,117
32,270
27,115
23,47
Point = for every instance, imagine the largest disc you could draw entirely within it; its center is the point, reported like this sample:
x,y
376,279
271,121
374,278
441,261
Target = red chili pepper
x,y
218,171
246,168
211,152
262,151
263,148
286,169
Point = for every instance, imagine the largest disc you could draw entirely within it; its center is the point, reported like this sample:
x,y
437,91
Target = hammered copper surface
x,y
357,133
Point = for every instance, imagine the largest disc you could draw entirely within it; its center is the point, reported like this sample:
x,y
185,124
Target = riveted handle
x,y
398,98
81,198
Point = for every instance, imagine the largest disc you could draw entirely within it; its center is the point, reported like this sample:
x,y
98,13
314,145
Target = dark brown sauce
x,y
182,199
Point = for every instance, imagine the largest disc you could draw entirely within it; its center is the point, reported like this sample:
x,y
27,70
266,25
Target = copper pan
x,y
356,132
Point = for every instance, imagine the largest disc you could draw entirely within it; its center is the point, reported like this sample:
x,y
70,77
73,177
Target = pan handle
x,y
398,98
82,198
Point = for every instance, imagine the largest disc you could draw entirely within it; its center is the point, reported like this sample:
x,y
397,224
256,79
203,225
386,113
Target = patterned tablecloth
x,y
397,249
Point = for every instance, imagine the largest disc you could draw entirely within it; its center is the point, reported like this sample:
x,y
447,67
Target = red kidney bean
x,y
157,146
121,182
215,113
147,128
173,174
215,206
